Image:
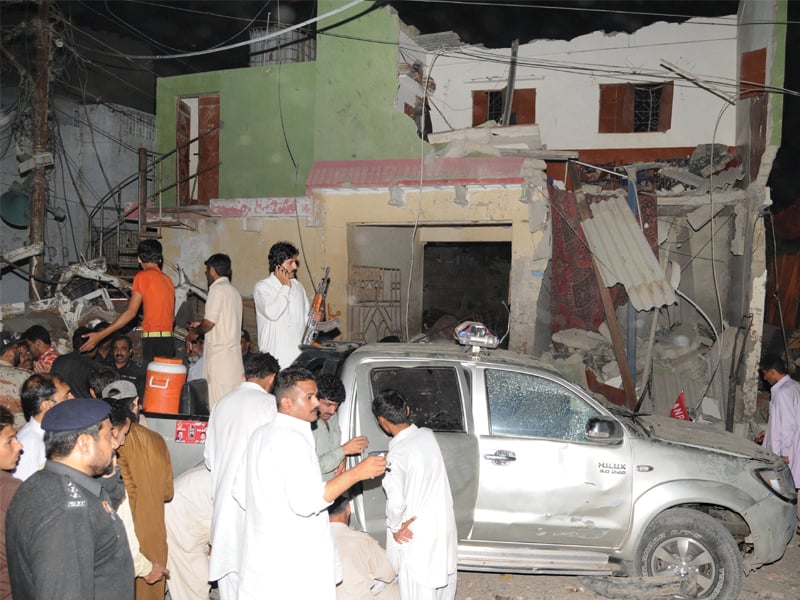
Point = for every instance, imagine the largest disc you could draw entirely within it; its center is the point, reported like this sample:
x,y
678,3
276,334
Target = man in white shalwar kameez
x,y
281,306
188,520
233,420
421,540
222,324
288,550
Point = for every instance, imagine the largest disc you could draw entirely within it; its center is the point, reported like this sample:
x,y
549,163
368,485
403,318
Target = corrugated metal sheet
x,y
624,256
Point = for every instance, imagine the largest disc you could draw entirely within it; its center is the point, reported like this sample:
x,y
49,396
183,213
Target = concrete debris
x,y
701,185
683,360
709,158
700,216
578,339
492,140
643,588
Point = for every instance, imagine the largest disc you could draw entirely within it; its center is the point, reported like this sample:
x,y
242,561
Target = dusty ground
x,y
778,581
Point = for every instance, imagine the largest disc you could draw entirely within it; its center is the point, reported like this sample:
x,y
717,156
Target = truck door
x,y
541,481
437,395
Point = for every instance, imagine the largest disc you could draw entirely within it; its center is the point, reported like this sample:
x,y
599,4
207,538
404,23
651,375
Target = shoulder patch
x,y
75,497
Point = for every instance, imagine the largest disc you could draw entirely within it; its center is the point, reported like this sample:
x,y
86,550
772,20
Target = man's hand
x,y
355,446
283,275
92,339
760,437
404,534
370,467
156,573
339,469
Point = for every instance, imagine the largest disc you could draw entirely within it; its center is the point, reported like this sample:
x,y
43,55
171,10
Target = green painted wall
x,y
340,107
357,81
253,152
776,75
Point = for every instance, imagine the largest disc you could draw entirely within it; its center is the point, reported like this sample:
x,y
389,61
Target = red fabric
x,y
679,409
575,298
46,360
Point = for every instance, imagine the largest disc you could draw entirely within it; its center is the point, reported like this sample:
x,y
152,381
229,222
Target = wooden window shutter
x,y
523,104
208,145
753,73
665,107
480,107
183,123
616,108
628,93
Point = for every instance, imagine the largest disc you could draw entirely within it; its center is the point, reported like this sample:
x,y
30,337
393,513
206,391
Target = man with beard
x,y
326,431
64,538
121,354
281,306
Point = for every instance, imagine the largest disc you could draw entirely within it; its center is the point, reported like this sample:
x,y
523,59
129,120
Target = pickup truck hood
x,y
704,437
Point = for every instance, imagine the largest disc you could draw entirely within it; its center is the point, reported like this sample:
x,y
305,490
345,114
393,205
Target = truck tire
x,y
687,542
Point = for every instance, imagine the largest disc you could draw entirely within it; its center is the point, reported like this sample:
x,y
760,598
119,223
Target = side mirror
x,y
603,430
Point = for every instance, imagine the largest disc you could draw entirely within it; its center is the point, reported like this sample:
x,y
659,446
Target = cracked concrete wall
x,y
440,219
756,135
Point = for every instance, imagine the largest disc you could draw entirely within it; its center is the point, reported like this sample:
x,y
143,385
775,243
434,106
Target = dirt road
x,y
778,581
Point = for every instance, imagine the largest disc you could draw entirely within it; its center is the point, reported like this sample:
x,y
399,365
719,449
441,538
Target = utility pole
x,y
41,137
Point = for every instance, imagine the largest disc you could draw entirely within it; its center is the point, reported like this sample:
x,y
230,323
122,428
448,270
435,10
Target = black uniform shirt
x,y
65,541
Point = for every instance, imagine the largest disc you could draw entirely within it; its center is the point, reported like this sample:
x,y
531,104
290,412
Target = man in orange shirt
x,y
154,293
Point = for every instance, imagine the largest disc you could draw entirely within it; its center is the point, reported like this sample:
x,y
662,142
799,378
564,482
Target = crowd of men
x,y
87,496
89,507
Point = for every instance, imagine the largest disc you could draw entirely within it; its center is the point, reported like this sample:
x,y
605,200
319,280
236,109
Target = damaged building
x,y
600,198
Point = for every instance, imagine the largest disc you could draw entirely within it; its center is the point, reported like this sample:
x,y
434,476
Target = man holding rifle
x,y
282,306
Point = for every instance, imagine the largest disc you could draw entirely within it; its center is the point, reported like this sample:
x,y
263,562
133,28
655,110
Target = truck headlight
x,y
779,481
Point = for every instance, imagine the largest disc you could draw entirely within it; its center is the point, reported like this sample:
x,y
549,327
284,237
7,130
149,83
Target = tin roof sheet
x,y
624,256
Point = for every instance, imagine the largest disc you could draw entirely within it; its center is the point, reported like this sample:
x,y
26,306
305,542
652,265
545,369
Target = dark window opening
x,y
489,105
465,281
433,394
640,108
496,102
646,104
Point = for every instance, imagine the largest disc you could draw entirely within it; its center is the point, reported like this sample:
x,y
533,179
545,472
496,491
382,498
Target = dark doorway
x,y
468,281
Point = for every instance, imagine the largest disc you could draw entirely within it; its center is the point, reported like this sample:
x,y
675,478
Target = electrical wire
x,y
584,8
251,41
246,27
419,192
189,10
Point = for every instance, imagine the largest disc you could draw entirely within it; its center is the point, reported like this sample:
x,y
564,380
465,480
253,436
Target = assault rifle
x,y
313,327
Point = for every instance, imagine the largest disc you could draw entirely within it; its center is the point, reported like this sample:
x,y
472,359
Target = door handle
x,y
501,457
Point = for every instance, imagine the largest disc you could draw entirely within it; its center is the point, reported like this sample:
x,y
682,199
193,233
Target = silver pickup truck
x,y
548,479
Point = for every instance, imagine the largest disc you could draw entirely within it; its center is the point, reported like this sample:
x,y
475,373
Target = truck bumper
x,y
777,520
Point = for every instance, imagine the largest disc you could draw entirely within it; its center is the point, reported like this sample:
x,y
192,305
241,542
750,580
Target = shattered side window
x,y
530,406
433,394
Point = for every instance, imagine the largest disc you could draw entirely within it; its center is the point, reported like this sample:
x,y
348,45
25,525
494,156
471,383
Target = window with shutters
x,y
487,105
635,108
197,142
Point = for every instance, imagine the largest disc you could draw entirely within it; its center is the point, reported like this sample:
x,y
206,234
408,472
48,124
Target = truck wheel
x,y
691,544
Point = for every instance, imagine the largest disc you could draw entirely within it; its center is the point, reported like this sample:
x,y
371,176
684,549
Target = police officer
x,y
64,539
